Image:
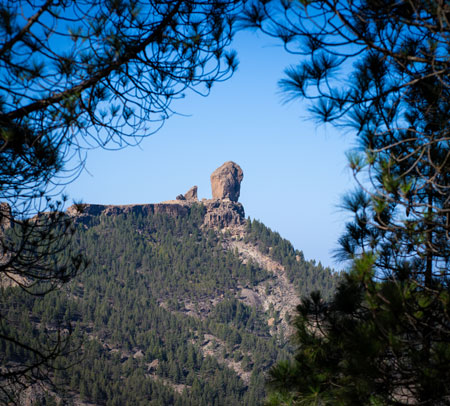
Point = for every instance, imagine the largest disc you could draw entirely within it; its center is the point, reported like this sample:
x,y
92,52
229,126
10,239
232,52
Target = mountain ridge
x,y
185,303
176,306
218,212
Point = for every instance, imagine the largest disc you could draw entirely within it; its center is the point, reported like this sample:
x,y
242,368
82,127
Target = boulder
x,y
191,194
180,197
226,181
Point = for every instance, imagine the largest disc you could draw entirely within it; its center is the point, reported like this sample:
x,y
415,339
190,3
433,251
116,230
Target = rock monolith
x,y
226,181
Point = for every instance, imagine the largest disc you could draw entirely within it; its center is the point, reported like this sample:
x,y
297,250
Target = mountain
x,y
185,302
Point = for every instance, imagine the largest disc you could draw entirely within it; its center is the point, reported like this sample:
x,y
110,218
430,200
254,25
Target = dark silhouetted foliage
x,y
382,69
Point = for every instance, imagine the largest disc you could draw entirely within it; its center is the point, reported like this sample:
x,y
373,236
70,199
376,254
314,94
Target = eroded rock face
x,y
191,194
83,213
226,181
220,213
5,216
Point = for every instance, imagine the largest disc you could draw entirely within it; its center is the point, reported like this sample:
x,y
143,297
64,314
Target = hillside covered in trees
x,y
169,312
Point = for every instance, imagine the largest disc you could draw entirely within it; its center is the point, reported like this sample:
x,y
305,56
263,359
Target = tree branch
x,y
131,53
8,45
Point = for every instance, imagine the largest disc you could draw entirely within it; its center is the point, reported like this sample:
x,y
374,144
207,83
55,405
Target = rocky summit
x,y
223,210
184,303
226,181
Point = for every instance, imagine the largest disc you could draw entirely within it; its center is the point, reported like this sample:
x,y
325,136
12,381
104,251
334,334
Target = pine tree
x,y
73,76
382,68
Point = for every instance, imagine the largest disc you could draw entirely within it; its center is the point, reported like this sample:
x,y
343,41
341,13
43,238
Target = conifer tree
x,y
382,68
75,75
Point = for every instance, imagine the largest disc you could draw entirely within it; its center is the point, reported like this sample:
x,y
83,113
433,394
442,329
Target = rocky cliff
x,y
5,216
218,213
221,211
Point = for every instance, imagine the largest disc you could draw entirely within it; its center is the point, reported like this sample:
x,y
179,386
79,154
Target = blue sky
x,y
294,169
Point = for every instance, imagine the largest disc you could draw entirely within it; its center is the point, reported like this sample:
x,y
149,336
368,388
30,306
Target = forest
x,y
133,340
159,303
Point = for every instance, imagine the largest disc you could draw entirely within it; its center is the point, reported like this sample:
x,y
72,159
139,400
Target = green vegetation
x,y
381,69
307,276
109,81
155,318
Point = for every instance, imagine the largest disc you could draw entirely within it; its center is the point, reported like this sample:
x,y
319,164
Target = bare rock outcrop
x,y
83,213
5,216
218,213
222,213
226,181
191,194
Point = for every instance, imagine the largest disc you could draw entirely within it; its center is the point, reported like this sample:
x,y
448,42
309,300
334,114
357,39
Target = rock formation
x,y
222,210
226,181
191,194
220,213
5,216
82,213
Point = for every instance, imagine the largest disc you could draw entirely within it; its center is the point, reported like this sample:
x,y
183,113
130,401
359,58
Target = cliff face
x,y
219,213
223,213
83,212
